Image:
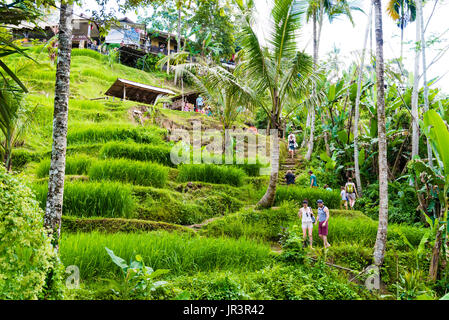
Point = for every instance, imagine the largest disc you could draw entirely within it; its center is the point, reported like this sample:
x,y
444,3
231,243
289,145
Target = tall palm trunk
x,y
419,14
269,196
357,106
168,55
312,107
415,92
179,29
381,238
53,210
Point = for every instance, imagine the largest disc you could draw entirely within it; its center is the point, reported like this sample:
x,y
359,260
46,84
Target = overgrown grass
x,y
78,164
135,151
89,133
182,208
298,194
129,171
344,227
112,225
161,250
211,173
82,199
253,224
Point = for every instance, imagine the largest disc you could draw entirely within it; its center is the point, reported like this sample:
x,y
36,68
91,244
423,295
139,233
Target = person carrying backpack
x,y
351,192
323,222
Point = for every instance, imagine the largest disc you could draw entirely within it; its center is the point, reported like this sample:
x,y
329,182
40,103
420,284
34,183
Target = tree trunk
x,y
415,114
312,131
168,54
269,196
179,29
419,14
357,107
304,140
433,269
53,210
381,238
312,108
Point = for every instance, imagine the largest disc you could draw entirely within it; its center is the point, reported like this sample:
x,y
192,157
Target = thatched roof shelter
x,y
135,91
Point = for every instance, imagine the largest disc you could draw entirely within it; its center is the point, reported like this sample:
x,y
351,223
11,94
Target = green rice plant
x,y
298,194
173,207
90,132
78,165
92,199
76,52
90,72
181,253
253,224
135,151
211,173
113,225
129,171
86,104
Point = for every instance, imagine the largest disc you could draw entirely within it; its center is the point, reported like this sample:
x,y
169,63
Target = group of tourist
x,y
308,219
348,196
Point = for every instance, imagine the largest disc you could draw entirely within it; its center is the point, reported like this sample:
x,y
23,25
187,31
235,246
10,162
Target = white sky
x,y
349,39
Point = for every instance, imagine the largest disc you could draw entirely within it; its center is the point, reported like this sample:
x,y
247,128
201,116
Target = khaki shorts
x,y
307,225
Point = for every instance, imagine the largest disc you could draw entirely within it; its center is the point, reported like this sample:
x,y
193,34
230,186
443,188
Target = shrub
x,y
211,173
74,165
21,157
112,225
26,254
258,182
135,172
297,194
298,282
88,133
219,286
134,151
181,253
255,224
92,199
173,207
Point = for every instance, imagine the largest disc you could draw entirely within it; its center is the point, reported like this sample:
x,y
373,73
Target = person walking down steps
x,y
292,144
290,178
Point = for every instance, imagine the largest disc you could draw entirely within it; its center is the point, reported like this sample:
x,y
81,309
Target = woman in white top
x,y
305,214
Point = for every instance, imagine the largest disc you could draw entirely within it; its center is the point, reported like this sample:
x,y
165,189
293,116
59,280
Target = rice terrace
x,y
224,150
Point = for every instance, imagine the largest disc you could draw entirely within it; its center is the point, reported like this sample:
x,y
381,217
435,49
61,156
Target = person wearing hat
x,y
323,222
306,215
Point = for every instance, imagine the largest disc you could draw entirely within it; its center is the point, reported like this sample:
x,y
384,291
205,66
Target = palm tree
x,y
279,71
14,119
403,12
357,107
419,11
223,90
53,210
381,239
316,10
415,94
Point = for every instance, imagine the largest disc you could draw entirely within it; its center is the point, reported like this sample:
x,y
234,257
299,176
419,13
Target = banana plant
x,y
438,135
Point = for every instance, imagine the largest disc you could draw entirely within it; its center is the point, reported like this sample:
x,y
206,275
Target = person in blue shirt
x,y
199,103
323,222
313,183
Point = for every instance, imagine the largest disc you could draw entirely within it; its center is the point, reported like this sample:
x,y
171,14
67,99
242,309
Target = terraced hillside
x,y
123,192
